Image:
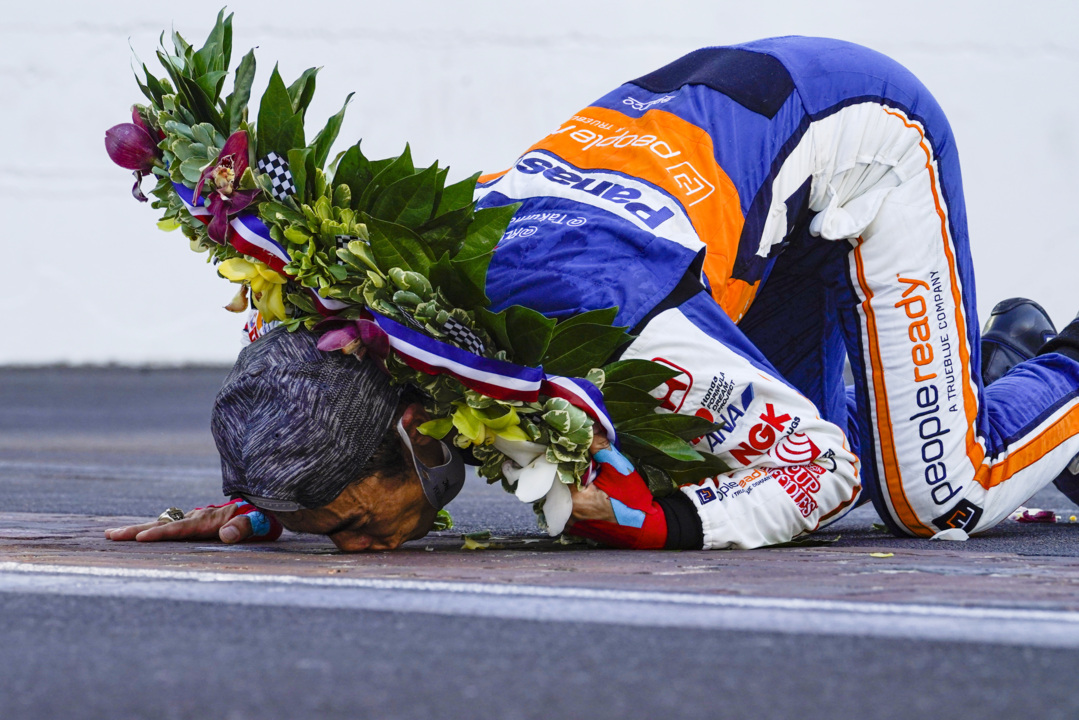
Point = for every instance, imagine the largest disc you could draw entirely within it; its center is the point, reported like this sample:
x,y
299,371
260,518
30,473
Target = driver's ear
x,y
414,416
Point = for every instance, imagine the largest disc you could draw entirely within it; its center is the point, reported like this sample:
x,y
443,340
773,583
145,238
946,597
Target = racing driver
x,y
758,213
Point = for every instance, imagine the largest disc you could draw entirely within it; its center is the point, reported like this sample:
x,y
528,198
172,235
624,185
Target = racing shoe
x,y
1017,328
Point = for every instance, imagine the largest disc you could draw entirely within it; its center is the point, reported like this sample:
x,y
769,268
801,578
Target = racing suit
x,y
758,213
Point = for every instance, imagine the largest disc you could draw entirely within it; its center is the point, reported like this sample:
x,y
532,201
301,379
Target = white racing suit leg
x,y
938,450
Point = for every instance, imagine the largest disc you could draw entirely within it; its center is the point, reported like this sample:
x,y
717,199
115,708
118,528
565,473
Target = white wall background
x,y
87,278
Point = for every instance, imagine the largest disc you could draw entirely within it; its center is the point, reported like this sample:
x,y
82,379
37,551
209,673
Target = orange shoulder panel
x,y
663,149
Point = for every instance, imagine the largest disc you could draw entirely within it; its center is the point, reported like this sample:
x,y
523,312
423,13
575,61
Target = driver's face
x,y
379,513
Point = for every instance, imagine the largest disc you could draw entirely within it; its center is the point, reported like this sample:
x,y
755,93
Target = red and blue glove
x,y
641,521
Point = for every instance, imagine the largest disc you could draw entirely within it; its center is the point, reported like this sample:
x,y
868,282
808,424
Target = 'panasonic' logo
x,y
607,190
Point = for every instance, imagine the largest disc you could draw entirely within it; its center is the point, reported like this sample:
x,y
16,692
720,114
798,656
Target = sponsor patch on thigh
x,y
964,515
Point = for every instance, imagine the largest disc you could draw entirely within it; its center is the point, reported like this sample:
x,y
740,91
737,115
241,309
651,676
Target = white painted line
x,y
537,603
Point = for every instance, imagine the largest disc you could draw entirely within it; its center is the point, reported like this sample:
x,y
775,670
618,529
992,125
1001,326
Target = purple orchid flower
x,y
133,146
224,174
339,334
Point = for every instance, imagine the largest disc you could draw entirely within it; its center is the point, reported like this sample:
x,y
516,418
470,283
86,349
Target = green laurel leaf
x,y
241,90
649,443
386,172
279,128
395,245
588,345
528,332
353,170
603,316
326,137
410,200
687,427
641,374
458,195
457,288
301,91
480,240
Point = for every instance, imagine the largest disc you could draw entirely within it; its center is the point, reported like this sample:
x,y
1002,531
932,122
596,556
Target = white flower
x,y
535,479
557,508
511,472
521,452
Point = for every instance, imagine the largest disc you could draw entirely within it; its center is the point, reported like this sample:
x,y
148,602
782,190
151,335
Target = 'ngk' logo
x,y
762,435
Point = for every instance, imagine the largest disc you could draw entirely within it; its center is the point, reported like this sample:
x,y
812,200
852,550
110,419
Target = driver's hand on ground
x,y
226,523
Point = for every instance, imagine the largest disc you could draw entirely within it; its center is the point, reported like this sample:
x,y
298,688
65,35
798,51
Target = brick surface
x,y
927,574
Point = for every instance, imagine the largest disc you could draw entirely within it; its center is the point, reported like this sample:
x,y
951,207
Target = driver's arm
x,y
792,470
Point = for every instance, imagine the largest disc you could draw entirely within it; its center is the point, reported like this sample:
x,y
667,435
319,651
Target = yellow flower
x,y
481,427
469,425
437,428
265,285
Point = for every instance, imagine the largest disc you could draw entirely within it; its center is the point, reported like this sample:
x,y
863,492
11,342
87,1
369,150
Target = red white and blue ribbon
x,y
494,378
250,236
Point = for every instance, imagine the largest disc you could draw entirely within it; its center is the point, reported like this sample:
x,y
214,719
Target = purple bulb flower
x,y
133,146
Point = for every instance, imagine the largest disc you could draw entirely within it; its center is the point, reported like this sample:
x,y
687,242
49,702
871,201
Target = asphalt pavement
x,y
853,624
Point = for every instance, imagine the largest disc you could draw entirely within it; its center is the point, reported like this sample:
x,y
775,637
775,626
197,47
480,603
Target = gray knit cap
x,y
295,425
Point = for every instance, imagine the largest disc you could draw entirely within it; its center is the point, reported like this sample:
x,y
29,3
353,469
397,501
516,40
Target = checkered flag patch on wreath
x,y
406,313
342,244
276,168
463,337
